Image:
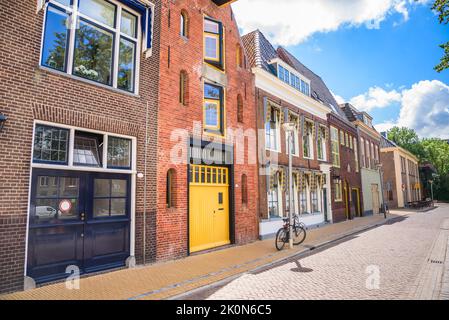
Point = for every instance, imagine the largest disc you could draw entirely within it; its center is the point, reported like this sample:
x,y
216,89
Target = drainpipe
x,y
145,188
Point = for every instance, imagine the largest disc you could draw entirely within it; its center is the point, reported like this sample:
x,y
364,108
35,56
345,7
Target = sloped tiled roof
x,y
350,111
386,143
260,52
320,91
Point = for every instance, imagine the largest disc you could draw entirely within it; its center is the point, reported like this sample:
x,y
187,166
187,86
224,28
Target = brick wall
x,y
28,92
389,175
261,95
352,178
186,54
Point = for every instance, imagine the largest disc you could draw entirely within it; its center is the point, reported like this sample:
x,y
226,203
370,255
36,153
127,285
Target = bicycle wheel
x,y
281,239
299,235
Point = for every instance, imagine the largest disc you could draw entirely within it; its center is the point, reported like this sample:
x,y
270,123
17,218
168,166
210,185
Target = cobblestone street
x,y
400,260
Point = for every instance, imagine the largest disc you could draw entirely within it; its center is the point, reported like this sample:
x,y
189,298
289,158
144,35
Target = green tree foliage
x,y
433,150
442,9
436,151
407,139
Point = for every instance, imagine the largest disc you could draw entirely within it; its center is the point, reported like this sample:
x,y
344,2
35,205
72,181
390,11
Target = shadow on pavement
x,y
300,268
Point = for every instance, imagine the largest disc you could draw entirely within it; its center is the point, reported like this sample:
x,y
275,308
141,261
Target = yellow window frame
x,y
217,48
218,105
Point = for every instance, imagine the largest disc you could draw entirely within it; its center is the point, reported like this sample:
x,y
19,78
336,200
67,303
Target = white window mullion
x,y
105,151
117,47
72,32
71,146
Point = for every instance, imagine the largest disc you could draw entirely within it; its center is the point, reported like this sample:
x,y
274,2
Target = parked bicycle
x,y
283,235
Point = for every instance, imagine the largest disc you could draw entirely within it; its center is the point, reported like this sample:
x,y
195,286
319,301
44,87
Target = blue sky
x,y
376,54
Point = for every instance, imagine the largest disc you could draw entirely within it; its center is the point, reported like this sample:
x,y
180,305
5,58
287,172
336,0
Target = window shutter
x,y
148,29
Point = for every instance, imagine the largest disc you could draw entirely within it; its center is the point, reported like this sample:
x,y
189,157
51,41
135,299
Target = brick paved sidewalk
x,y
165,280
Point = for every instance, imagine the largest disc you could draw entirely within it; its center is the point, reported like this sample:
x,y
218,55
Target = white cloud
x,y
289,22
424,108
376,97
339,99
385,126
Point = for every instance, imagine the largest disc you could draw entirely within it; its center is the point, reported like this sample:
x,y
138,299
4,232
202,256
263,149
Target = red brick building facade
x,y
185,73
42,99
347,195
288,92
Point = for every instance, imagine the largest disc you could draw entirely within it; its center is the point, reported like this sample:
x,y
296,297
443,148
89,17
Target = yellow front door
x,y
209,207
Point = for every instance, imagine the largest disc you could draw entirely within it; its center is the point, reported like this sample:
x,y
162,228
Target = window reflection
x,y
110,197
56,198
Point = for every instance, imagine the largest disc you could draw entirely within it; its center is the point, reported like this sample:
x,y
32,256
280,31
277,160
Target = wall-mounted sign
x,y
65,206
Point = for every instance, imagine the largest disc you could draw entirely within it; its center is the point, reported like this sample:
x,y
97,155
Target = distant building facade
x,y
400,174
347,198
369,147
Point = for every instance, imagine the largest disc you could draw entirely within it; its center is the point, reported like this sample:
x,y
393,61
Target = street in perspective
x,y
246,152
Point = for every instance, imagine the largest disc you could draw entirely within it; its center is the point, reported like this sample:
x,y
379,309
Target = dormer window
x,y
284,74
293,80
367,121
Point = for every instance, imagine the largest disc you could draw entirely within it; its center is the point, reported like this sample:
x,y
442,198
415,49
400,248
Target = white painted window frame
x,y
74,18
71,166
311,144
323,144
279,196
295,141
278,137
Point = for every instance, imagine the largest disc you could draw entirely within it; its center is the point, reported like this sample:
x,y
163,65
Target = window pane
x,y
211,114
102,188
101,207
93,53
129,24
119,188
118,207
211,92
86,152
68,187
64,2
55,45
46,209
125,78
50,144
119,152
100,10
211,44
47,186
211,26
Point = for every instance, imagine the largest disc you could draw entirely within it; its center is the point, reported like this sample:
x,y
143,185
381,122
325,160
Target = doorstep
x,y
174,278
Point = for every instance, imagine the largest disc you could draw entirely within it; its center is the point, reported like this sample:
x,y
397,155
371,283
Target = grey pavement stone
x,y
398,253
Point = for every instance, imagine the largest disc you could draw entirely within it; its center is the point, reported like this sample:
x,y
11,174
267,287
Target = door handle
x,y
221,209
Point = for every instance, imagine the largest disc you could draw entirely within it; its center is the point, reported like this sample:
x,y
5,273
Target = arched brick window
x,y
183,88
239,108
184,24
170,189
244,190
